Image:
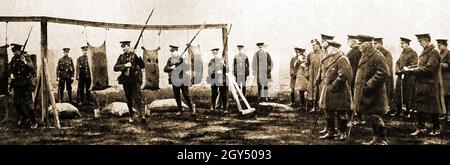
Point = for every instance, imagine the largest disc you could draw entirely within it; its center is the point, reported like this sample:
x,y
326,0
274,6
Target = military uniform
x,y
241,70
217,70
262,70
370,89
354,55
390,81
64,73
22,75
428,89
336,95
84,77
179,79
312,68
131,79
404,87
445,63
298,76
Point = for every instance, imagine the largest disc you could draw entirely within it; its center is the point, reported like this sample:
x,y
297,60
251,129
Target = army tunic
x,y
428,89
180,84
217,70
312,66
445,68
390,81
241,68
354,55
405,86
83,75
21,82
65,72
131,80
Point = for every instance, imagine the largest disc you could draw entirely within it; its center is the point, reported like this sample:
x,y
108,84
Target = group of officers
x,y
339,84
362,82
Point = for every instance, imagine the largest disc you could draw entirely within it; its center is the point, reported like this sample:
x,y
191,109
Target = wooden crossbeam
x,y
106,24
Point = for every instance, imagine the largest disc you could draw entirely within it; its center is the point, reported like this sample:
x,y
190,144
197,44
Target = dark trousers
x,y
65,84
377,123
134,98
342,119
83,89
223,95
177,90
421,118
23,103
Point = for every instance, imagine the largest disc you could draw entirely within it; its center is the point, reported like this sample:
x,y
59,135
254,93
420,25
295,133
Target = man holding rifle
x,y
21,74
130,66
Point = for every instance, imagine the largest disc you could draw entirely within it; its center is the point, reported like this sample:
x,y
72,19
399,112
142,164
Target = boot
x,y
342,129
70,96
331,133
292,100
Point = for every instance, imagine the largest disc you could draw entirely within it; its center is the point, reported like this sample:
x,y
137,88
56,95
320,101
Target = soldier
x,y
241,69
217,79
262,70
318,79
312,68
22,75
370,90
336,94
83,77
177,68
428,97
298,77
354,55
64,75
404,87
130,66
445,61
390,82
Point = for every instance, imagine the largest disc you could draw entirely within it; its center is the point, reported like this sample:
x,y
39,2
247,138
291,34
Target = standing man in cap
x,y
370,88
64,75
404,87
445,62
83,77
298,77
389,60
217,70
241,69
428,90
335,98
312,68
21,74
354,55
262,70
178,68
130,67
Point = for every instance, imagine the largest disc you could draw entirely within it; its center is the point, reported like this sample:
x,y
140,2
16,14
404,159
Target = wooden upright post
x,y
44,90
225,43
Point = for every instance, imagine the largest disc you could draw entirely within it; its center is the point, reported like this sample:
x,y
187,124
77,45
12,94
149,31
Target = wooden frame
x,y
44,38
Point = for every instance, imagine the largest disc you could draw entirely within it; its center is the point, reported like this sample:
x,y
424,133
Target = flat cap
x,y
260,44
421,36
334,44
123,43
215,49
301,50
442,41
405,39
351,37
364,38
326,37
16,47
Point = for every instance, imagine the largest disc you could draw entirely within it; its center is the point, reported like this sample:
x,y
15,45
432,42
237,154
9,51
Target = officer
x,y
217,70
130,66
262,70
64,75
241,68
178,68
83,77
22,75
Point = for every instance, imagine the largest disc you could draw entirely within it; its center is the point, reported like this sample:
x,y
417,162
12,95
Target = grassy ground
x,y
268,126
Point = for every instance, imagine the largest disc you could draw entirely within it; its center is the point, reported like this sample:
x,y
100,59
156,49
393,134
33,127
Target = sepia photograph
x,y
224,72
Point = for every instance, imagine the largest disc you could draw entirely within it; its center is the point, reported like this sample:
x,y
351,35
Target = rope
x,y
85,34
6,34
106,31
159,37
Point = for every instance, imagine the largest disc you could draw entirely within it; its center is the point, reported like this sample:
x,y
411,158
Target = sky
x,y
281,24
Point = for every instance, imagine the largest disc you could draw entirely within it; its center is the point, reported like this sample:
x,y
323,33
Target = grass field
x,y
270,125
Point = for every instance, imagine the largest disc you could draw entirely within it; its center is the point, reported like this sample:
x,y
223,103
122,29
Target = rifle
x,y
189,44
127,72
26,41
143,29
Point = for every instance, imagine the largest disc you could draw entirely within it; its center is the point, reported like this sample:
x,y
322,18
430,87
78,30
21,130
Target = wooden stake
x,y
52,97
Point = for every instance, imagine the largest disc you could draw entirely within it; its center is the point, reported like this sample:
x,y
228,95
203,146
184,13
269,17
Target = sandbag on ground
x,y
65,111
164,105
116,109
